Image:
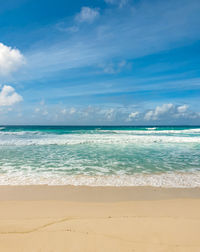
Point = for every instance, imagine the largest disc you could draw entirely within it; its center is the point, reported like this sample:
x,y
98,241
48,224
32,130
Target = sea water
x,y
100,155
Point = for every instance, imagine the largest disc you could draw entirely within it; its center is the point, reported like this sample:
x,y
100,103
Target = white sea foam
x,y
72,139
20,133
177,180
100,132
192,130
154,131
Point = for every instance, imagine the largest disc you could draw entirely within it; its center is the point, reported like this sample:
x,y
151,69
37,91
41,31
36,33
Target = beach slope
x,y
99,219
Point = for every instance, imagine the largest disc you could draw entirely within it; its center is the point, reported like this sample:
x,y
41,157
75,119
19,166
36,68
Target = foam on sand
x,y
171,180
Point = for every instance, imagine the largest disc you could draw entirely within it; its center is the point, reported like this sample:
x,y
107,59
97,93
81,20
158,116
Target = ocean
x,y
100,155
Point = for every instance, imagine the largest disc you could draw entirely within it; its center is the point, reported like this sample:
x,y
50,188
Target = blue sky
x,y
100,62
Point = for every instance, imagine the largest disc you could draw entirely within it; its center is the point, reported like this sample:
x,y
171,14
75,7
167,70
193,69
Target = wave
x,y
154,131
23,138
192,130
148,131
21,133
96,139
178,180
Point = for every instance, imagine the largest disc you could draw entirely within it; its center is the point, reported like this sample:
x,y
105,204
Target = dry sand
x,y
43,218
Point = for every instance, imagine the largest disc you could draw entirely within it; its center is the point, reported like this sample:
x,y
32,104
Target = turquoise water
x,y
160,156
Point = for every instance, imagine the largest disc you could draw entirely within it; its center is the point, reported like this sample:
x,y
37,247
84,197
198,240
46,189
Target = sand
x,y
48,218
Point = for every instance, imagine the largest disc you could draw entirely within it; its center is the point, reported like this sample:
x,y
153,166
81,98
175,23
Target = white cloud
x,y
182,108
165,108
132,115
87,14
41,111
45,112
148,116
64,111
109,114
113,68
8,96
159,111
10,59
169,111
72,111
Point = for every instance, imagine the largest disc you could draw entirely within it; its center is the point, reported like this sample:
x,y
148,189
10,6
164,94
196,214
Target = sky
x,y
100,62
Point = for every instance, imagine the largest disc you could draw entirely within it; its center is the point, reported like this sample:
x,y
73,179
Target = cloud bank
x,y
164,114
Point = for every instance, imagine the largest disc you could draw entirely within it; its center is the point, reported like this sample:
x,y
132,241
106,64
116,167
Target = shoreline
x,y
95,194
178,179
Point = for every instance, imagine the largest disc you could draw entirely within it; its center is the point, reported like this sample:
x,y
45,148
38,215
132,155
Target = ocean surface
x,y
100,156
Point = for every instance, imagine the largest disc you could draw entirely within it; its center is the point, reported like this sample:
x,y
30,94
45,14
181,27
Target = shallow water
x,y
160,156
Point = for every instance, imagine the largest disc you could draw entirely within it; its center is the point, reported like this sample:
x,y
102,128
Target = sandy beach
x,y
67,218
